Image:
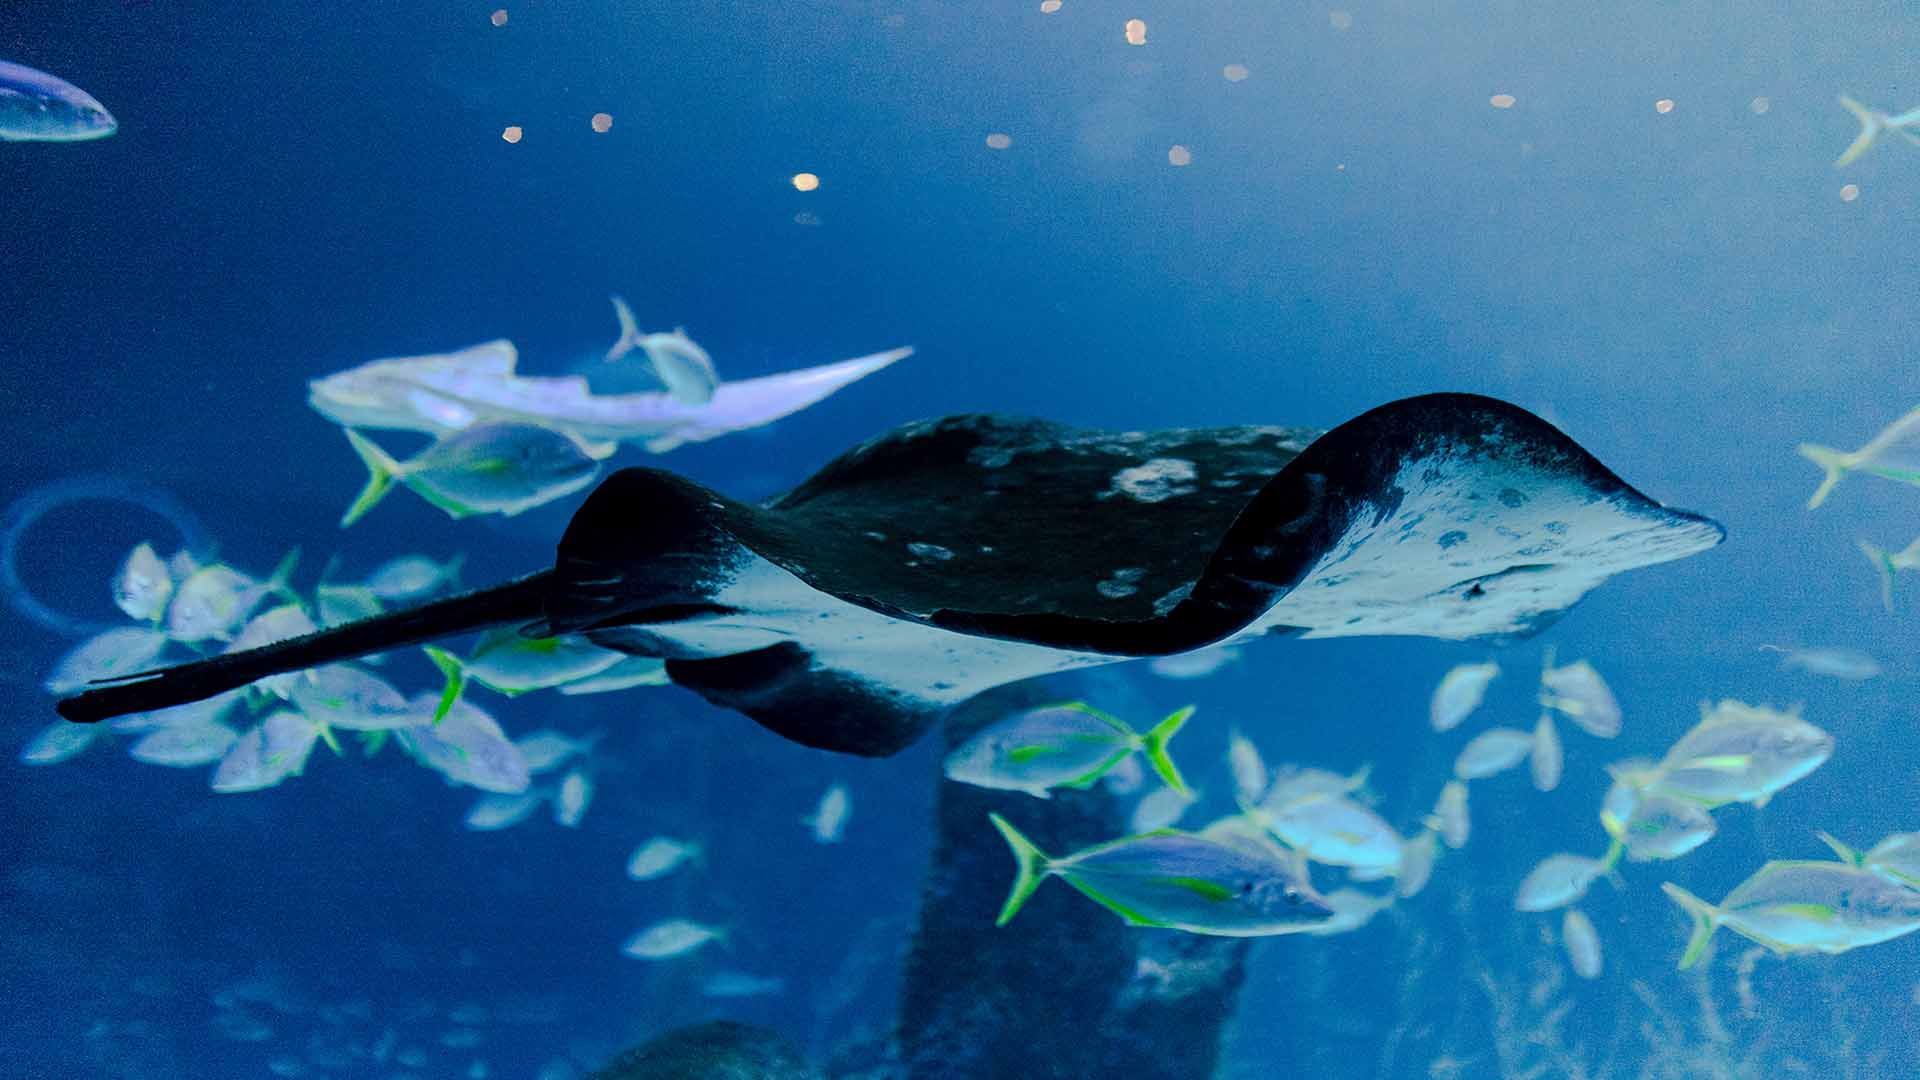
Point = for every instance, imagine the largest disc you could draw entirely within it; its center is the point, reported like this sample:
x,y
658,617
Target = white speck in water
x,y
930,551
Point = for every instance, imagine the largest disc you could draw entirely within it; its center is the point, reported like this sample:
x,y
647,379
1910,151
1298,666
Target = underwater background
x,y
295,189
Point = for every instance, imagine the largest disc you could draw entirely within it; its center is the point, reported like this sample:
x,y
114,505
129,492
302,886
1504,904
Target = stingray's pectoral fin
x,y
787,693
516,601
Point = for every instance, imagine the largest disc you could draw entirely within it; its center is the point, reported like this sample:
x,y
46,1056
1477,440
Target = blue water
x,y
297,188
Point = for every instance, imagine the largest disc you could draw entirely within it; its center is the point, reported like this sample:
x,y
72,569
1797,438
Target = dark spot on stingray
x,y
1557,528
1452,537
654,564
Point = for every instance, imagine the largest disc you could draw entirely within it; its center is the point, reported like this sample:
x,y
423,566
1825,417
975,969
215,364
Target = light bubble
x,y
1234,72
498,18
999,140
1136,31
1760,105
1048,7
1341,20
805,181
1663,106
1179,155
1501,101
806,217
602,122
512,133
1849,192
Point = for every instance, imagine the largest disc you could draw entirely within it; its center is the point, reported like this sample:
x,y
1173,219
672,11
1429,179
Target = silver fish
x,y
38,107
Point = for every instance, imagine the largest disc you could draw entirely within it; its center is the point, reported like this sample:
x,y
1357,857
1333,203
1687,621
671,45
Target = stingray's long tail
x,y
521,600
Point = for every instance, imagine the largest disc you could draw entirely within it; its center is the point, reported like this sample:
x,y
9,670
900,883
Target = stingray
x,y
949,556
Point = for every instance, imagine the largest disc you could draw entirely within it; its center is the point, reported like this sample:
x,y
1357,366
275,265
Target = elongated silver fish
x,y
38,107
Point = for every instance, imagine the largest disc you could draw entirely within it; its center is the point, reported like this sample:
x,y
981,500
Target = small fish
x,y
1873,123
184,746
267,754
59,742
274,624
1798,907
1352,909
683,367
675,937
1492,752
1293,783
484,469
1851,665
1740,753
338,604
659,857
546,750
1197,664
1582,943
408,578
739,984
1460,692
1558,880
343,696
38,107
509,662
829,820
1228,883
1894,454
1578,692
626,674
1896,858
492,811
122,651
467,747
1416,864
1450,814
570,801
1249,771
143,586
1659,827
1331,829
215,600
1070,745
1887,564
1546,758
1161,808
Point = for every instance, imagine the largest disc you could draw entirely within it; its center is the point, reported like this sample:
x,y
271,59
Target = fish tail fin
x,y
1833,461
519,601
1882,565
1030,869
629,330
1154,742
455,673
382,471
282,574
1869,131
1706,919
1847,854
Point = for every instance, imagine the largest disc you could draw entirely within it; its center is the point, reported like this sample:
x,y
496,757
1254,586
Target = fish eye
x,y
1293,895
